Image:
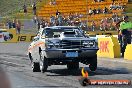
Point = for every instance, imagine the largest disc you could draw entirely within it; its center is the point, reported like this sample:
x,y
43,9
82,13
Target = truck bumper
x,y
61,53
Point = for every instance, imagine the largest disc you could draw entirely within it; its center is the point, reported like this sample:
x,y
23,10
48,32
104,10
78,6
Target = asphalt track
x,y
17,65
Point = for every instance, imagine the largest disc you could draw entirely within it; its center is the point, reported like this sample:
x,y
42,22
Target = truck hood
x,y
77,38
55,40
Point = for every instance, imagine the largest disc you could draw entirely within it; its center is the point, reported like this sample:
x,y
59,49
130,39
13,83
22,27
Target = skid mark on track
x,y
13,54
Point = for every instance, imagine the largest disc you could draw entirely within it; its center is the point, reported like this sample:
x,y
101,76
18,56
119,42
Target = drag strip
x,y
13,57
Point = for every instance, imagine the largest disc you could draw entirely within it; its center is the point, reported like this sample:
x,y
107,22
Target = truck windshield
x,y
49,33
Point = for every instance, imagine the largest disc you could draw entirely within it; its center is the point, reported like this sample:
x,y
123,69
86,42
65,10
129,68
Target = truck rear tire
x,y
73,65
93,63
43,63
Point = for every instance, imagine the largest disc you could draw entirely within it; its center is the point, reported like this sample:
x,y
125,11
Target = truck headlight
x,y
52,45
89,43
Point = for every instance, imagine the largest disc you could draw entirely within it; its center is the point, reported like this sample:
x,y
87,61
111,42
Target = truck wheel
x,y
73,65
93,64
35,67
84,81
43,63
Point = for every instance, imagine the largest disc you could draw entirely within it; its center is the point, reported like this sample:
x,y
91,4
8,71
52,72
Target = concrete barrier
x,y
128,52
108,47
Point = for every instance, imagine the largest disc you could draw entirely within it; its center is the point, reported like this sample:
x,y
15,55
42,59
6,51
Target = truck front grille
x,y
70,44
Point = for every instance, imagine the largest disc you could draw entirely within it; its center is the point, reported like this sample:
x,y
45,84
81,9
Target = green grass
x,y
11,8
8,7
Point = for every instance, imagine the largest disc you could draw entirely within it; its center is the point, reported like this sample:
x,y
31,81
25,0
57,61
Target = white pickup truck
x,y
62,45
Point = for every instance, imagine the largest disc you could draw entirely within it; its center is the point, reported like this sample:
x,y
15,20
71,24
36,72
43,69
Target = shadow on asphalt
x,y
64,72
48,86
99,71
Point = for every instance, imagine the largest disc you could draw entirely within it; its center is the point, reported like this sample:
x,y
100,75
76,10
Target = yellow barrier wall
x,y
25,37
8,36
108,47
128,52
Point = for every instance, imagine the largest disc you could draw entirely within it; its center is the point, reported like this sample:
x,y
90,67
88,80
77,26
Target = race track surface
x,y
14,60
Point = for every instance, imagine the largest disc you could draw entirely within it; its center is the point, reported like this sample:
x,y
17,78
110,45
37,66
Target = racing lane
x,y
13,57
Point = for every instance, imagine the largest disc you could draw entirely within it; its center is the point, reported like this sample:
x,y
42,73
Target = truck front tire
x,y
93,63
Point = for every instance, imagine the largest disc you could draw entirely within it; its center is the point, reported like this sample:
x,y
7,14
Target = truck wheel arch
x,y
40,50
30,57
